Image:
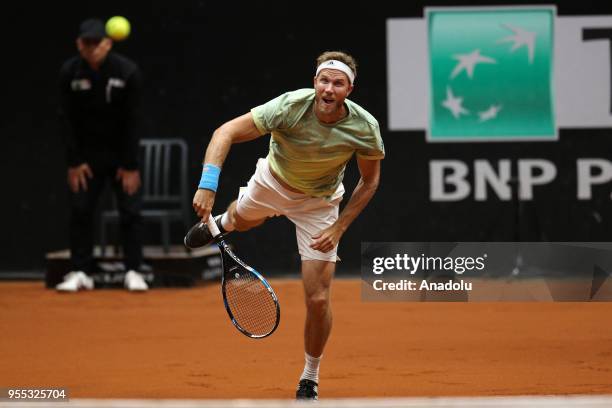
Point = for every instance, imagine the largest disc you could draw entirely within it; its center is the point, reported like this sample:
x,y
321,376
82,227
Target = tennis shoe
x,y
74,281
307,390
199,235
134,282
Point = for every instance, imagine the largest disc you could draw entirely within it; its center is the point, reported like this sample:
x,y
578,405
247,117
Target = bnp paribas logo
x,y
491,73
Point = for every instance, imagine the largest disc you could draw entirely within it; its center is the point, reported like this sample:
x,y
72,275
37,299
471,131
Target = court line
x,y
570,401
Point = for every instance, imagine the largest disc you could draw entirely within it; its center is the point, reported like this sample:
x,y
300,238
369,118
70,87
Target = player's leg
x,y
317,272
255,204
231,220
317,276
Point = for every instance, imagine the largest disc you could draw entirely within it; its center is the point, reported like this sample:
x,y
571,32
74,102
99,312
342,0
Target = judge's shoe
x,y
74,281
135,282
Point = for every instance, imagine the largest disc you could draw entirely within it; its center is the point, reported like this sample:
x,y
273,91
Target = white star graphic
x,y
490,113
520,38
467,62
453,104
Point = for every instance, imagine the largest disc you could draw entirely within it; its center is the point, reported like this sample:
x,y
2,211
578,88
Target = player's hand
x,y
203,202
327,239
130,180
77,177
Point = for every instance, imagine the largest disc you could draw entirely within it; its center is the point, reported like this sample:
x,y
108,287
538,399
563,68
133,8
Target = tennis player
x,y
315,132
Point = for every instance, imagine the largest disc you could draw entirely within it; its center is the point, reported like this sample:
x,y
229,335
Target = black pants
x,y
83,207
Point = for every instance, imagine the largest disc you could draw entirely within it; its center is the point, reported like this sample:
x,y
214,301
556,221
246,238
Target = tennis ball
x,y
118,28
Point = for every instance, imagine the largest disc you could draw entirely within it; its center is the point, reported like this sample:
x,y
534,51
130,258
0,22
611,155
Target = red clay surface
x,y
179,343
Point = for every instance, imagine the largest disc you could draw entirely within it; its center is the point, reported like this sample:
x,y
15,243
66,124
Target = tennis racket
x,y
249,299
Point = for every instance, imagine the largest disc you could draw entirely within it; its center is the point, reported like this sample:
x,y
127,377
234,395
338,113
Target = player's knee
x,y
318,303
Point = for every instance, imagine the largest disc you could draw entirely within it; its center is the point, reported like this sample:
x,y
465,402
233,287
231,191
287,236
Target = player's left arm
x,y
369,170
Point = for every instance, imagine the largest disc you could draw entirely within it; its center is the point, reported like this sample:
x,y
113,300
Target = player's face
x,y
331,88
94,51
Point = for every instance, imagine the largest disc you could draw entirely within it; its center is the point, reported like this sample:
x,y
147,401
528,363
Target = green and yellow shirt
x,y
310,155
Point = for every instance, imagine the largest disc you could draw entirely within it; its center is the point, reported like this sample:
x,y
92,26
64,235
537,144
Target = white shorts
x,y
265,197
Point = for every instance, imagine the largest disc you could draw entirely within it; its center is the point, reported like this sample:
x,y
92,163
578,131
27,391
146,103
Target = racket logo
x,y
233,268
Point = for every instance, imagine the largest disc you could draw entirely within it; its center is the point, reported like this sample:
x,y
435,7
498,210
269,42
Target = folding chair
x,y
164,188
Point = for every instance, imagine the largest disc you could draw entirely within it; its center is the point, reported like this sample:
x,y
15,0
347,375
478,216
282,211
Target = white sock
x,y
311,368
225,222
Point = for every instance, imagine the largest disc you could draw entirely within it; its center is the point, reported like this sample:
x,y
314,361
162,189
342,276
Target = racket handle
x,y
212,226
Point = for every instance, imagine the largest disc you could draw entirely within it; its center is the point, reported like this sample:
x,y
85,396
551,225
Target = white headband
x,y
337,65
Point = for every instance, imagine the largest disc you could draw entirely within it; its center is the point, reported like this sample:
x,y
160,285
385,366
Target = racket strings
x,y
251,304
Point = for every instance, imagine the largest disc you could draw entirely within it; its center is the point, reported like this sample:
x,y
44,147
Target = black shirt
x,y
101,111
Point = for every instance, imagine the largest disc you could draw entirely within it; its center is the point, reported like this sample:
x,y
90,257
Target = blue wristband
x,y
210,177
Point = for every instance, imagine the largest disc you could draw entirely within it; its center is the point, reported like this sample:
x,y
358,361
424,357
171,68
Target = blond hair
x,y
338,56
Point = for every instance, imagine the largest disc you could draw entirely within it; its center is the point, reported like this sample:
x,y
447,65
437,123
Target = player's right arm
x,y
238,130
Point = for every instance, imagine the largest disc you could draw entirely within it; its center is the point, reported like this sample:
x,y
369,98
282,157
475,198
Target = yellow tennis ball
x,y
118,28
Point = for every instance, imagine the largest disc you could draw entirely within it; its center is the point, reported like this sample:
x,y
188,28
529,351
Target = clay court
x,y
179,344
